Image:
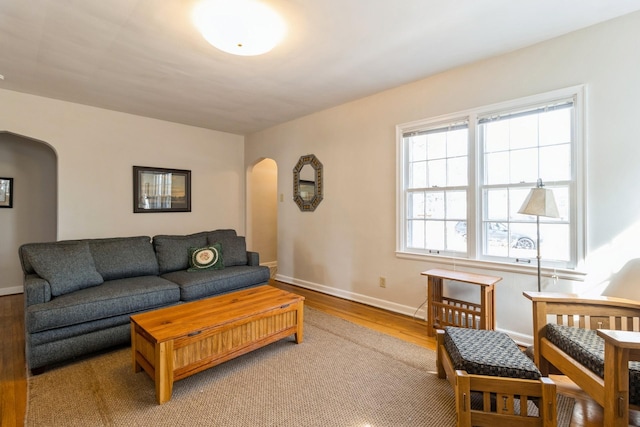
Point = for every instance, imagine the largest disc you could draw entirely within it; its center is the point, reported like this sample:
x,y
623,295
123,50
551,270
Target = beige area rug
x,y
341,375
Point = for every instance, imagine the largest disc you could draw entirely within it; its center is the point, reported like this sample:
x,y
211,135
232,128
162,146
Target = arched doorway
x,y
33,217
262,212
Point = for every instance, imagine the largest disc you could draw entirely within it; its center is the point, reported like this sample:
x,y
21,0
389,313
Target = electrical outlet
x,y
383,282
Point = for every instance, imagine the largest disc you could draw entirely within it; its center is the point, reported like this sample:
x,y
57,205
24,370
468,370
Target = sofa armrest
x,y
253,258
36,290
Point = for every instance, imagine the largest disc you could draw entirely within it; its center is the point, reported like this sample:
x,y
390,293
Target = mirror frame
x,y
312,204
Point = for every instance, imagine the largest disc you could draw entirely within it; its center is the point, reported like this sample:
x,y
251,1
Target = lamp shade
x,y
540,202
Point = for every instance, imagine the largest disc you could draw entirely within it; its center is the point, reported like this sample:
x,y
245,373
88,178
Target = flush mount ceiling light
x,y
240,27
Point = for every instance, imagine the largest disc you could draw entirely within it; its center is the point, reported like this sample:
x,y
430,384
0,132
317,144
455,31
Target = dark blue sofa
x,y
79,294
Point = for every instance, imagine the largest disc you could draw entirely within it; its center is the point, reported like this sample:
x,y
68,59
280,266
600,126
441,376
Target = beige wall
x,y
349,241
96,150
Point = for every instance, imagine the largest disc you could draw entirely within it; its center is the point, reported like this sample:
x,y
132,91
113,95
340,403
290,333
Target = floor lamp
x,y
540,202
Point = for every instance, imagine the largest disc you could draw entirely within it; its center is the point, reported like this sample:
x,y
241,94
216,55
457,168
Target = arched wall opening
x,y
262,211
33,165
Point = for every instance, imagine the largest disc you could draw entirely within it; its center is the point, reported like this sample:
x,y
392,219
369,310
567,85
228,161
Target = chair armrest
x,y
557,297
253,258
36,290
622,339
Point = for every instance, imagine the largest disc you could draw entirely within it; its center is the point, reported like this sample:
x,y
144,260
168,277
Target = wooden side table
x,y
444,311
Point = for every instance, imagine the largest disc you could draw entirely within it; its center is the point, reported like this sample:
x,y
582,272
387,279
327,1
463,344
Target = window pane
x,y
524,166
517,197
456,205
437,170
495,238
416,205
456,240
418,148
435,235
497,168
522,240
418,175
554,243
561,194
457,171
415,234
458,143
523,132
555,163
437,145
497,205
435,205
555,127
496,136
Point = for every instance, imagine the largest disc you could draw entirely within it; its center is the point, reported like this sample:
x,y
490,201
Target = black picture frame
x,y
6,192
161,190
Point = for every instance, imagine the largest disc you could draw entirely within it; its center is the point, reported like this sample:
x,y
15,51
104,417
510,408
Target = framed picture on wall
x,y
6,192
161,190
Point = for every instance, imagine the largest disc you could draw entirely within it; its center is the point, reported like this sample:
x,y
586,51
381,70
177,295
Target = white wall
x,y
349,241
96,150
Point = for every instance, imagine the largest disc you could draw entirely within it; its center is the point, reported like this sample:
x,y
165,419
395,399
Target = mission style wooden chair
x,y
591,341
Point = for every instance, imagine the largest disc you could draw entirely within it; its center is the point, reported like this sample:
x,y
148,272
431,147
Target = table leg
x,y
164,371
492,311
134,349
300,323
484,318
434,294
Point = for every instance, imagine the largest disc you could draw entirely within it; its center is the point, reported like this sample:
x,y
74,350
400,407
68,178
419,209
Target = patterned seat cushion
x,y
490,353
586,347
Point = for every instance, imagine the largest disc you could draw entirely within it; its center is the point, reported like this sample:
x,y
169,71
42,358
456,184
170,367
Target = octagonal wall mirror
x,y
307,183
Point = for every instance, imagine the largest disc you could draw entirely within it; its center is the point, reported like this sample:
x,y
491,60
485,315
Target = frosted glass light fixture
x,y
239,27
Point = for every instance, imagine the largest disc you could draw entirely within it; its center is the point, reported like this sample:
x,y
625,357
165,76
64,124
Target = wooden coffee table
x,y
175,342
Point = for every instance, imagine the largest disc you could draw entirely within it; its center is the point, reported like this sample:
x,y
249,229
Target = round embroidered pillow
x,y
206,258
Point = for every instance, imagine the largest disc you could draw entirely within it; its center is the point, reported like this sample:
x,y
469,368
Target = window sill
x,y
564,274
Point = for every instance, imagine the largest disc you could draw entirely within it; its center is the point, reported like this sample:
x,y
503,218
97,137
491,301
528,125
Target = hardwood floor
x,y
13,384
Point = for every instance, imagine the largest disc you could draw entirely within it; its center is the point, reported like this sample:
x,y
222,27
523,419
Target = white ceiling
x,y
145,57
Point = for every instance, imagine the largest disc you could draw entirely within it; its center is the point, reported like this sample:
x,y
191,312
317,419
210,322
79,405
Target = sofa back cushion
x,y
67,266
122,257
234,248
173,251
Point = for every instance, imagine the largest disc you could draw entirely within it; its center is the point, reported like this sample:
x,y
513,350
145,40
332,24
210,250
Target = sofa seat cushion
x,y
121,257
112,298
492,353
587,348
202,284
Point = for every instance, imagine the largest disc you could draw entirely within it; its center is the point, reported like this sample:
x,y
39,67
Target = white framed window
x,y
463,177
437,158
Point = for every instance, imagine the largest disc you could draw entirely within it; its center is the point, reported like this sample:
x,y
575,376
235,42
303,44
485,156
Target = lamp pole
x,y
538,247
